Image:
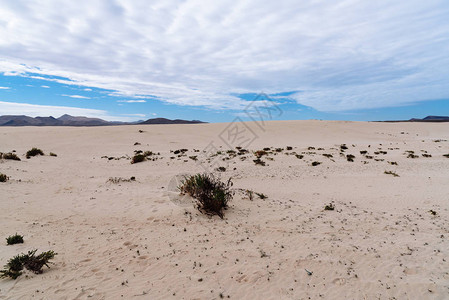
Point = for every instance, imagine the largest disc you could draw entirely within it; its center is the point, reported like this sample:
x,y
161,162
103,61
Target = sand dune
x,y
141,239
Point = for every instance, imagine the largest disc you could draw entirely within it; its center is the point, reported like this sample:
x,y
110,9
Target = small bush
x,y
289,148
259,162
33,152
262,196
446,155
3,177
433,212
30,261
212,194
137,158
299,156
327,155
343,147
316,163
11,156
330,206
350,157
14,239
221,169
53,154
427,155
260,153
391,173
363,152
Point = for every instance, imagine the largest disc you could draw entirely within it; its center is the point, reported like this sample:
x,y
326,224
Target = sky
x,y
128,60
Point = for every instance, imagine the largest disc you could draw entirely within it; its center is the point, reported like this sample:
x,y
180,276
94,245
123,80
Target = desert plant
x,y
259,162
3,177
426,155
260,153
299,156
363,152
350,157
11,156
262,196
137,158
446,155
29,261
14,239
316,163
289,148
33,152
330,206
343,147
327,155
221,169
53,154
212,194
391,173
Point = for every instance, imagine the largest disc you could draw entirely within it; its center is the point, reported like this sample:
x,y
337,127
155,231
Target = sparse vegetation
x,y
259,162
433,212
363,152
121,179
426,155
393,163
299,156
138,158
350,157
343,147
316,163
33,152
262,196
3,177
53,154
221,169
212,194
446,155
327,155
11,156
330,206
391,173
30,261
14,239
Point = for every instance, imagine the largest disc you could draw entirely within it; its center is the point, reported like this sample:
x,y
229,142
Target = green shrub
x,y
350,157
3,177
212,194
53,154
33,152
258,161
30,261
11,156
14,239
316,163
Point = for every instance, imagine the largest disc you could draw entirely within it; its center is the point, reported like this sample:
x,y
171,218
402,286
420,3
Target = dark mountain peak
x,y
68,120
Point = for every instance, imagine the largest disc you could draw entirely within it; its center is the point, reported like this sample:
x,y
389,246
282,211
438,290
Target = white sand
x,y
138,240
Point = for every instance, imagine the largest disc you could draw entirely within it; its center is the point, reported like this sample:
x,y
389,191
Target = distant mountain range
x,y
426,119
67,120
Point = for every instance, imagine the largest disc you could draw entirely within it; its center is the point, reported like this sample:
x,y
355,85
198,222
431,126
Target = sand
x,y
141,239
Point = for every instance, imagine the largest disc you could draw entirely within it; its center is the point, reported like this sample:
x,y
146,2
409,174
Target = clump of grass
x,y
11,156
299,156
343,147
120,179
260,153
391,173
14,239
138,158
411,155
350,157
363,152
328,155
393,163
212,194
446,155
53,154
330,206
221,169
426,155
316,163
262,196
258,161
3,177
289,148
30,261
33,152
433,212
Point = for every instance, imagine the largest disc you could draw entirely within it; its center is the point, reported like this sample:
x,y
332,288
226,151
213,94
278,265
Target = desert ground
x,y
116,238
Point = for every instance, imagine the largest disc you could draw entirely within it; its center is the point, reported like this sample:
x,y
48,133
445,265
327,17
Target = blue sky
x,y
130,60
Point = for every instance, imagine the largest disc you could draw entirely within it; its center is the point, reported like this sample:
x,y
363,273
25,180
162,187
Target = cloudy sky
x,y
129,60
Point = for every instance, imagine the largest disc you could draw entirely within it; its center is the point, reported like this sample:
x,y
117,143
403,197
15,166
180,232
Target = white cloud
x,y
45,86
76,96
136,115
4,88
132,101
344,54
33,110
